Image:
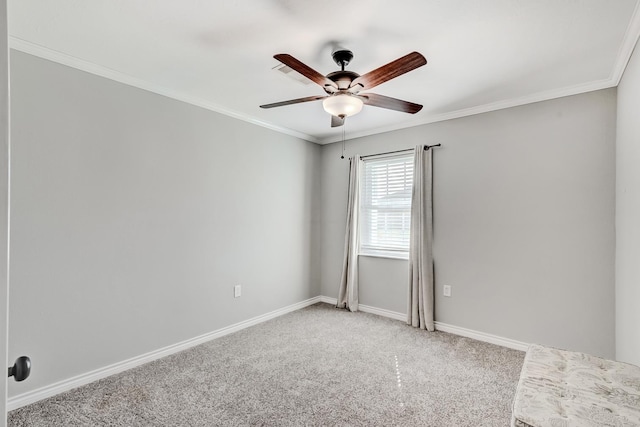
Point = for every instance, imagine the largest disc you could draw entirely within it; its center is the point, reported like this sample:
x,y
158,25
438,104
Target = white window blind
x,y
385,205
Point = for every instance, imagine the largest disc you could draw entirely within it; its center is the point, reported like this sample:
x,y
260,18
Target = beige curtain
x,y
421,292
348,293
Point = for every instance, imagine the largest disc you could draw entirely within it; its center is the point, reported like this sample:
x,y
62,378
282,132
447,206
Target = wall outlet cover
x,y
446,290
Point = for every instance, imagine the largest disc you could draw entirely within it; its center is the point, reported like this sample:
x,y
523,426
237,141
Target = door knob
x,y
21,369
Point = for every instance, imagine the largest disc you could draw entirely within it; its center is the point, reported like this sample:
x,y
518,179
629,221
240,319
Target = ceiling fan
x,y
343,87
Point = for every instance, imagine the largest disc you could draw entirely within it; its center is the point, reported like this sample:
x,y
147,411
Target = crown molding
x,y
99,70
486,108
625,51
627,46
629,41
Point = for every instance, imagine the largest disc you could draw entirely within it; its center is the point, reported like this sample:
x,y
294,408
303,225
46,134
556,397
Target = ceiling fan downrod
x,y
342,57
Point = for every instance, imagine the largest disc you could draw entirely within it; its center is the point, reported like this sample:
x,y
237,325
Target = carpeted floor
x,y
316,366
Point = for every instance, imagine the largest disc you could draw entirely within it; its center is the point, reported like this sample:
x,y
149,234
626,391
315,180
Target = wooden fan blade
x,y
381,101
305,70
293,101
390,71
336,121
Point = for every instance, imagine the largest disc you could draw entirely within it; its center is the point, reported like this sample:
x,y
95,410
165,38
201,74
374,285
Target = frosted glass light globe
x,y
342,105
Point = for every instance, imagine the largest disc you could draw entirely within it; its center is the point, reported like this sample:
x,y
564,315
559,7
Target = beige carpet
x,y
316,366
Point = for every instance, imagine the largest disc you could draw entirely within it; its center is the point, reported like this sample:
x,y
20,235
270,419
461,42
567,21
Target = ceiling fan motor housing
x,y
341,78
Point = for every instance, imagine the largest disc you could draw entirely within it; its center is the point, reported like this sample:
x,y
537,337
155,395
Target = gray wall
x,y
132,221
628,215
4,199
523,222
134,215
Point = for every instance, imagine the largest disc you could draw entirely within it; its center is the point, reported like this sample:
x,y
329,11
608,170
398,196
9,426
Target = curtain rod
x,y
426,147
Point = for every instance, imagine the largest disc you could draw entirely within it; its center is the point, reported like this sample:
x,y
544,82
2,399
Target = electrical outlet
x,y
446,290
237,291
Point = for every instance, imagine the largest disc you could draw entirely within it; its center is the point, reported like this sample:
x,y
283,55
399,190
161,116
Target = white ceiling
x,y
482,54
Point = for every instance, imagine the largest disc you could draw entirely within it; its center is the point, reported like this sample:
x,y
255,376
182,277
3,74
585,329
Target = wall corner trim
x,y
33,396
444,327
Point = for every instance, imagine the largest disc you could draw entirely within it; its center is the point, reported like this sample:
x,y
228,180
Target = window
x,y
385,206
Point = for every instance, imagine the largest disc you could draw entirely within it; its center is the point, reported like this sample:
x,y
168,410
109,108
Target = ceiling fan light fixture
x,y
342,105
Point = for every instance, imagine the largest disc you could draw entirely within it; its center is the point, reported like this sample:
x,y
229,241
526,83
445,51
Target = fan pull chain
x,y
344,125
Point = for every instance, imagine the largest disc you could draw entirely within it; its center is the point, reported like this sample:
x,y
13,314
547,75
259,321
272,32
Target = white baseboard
x,y
328,300
481,336
382,312
444,327
29,397
368,309
33,396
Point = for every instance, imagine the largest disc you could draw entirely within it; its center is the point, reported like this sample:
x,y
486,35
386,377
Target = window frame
x,y
367,248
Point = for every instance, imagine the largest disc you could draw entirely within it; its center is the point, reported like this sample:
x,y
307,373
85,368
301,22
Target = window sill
x,y
385,255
